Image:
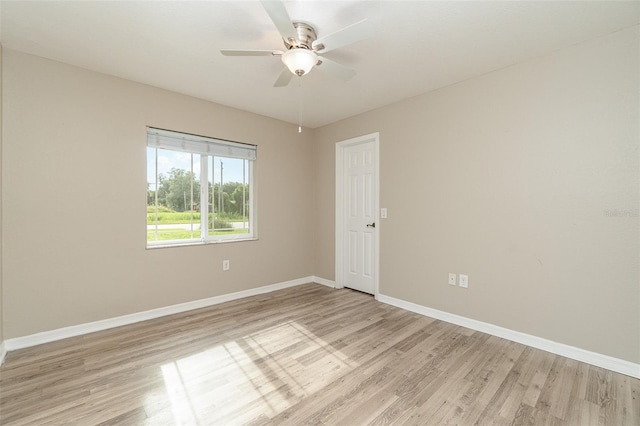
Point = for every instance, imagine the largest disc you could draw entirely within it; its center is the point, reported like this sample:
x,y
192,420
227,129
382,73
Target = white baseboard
x,y
610,363
3,352
600,360
323,281
77,330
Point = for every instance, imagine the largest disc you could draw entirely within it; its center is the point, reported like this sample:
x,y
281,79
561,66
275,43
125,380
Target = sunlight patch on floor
x,y
263,373
183,412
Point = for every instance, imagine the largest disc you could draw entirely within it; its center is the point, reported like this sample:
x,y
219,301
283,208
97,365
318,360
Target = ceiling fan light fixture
x,y
299,60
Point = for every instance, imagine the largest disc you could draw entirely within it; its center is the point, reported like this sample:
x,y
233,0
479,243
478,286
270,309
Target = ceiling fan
x,y
303,47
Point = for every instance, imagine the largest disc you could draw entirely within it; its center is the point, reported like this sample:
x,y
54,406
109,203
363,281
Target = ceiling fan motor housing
x,y
306,36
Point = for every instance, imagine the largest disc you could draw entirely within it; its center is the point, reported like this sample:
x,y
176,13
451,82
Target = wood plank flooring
x,y
305,355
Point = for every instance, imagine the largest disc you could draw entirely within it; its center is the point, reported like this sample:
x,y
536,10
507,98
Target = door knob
x,y
371,225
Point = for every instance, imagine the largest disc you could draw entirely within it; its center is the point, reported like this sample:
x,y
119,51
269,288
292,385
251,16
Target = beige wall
x,y
75,194
508,177
1,172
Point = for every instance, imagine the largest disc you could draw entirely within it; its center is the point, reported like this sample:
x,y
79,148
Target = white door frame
x,y
339,262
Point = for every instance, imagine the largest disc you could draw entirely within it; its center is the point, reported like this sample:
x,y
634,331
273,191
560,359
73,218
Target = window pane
x,y
173,195
228,197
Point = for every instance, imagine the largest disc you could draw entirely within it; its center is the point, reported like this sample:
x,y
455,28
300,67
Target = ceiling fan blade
x,y
355,32
284,79
249,52
334,68
280,17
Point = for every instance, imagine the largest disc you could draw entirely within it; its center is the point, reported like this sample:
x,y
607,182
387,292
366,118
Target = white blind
x,y
175,141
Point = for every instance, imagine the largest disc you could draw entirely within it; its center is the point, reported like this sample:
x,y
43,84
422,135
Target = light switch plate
x,y
383,213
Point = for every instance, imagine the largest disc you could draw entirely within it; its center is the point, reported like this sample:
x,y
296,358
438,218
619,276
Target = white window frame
x,y
207,148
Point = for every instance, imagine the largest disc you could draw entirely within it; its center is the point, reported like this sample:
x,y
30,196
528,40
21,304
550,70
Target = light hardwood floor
x,y
305,355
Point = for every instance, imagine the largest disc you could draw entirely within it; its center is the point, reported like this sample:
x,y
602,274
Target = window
x,y
199,189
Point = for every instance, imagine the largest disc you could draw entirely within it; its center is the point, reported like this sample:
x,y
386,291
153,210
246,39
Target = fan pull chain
x,y
299,105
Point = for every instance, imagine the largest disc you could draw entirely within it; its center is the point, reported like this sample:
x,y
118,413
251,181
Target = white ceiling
x,y
419,46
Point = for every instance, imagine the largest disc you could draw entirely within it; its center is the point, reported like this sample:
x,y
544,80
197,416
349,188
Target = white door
x,y
359,207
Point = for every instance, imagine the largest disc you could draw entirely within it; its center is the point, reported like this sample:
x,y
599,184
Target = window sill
x,y
198,243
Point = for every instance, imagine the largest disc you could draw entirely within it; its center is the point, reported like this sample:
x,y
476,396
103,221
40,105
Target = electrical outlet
x,y
225,265
452,279
464,281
